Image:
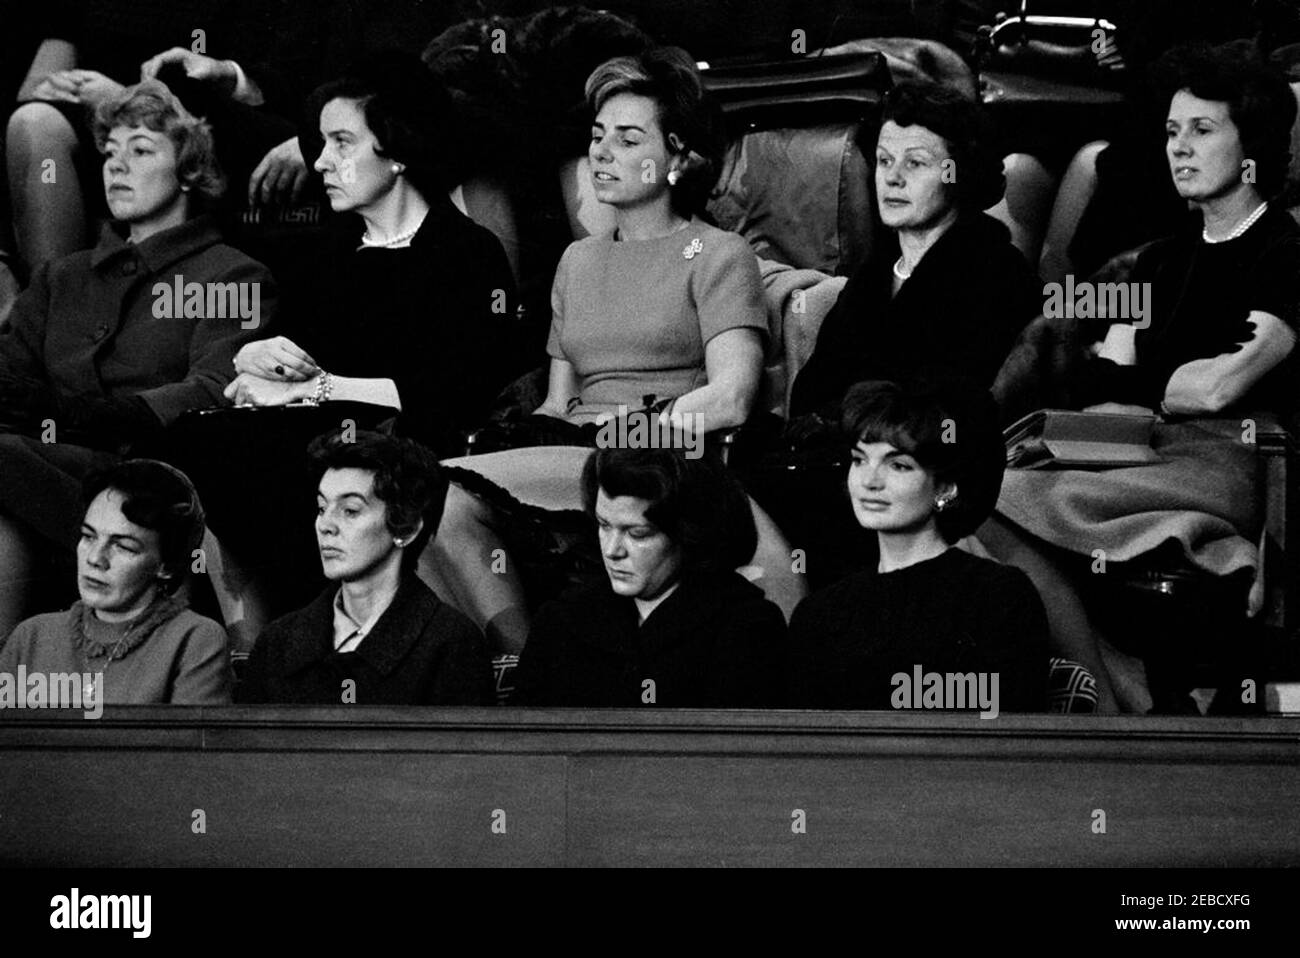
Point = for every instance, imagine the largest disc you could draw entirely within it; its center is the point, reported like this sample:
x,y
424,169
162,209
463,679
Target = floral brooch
x,y
694,247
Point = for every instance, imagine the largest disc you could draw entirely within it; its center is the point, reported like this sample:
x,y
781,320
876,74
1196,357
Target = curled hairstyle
x,y
151,105
1260,102
158,497
961,121
952,432
695,502
407,480
407,109
668,76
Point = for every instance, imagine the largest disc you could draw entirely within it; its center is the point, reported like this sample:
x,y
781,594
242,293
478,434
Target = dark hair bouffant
x,y
951,431
695,502
979,181
407,109
158,497
1260,102
407,480
669,76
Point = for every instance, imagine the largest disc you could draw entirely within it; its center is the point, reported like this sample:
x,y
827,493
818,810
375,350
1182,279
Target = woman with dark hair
x,y
103,349
406,312
942,299
674,624
412,313
948,299
129,632
663,319
376,635
925,472
1217,341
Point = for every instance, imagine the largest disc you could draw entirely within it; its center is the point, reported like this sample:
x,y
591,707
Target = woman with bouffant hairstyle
x,y
671,623
154,107
377,635
661,316
926,467
690,122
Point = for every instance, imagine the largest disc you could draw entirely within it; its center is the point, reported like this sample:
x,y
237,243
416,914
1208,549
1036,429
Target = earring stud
x,y
674,177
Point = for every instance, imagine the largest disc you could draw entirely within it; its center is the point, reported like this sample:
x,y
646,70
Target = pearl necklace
x,y
1244,225
401,239
898,272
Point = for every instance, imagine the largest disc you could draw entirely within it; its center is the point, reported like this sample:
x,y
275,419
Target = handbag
x,y
1063,49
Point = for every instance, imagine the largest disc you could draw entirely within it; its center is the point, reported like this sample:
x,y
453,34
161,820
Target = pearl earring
x,y
674,177
397,169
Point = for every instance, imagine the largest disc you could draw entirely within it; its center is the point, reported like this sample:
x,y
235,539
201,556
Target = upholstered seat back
x,y
800,196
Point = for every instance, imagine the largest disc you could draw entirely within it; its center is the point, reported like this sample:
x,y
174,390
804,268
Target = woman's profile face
x,y
351,525
119,563
1203,146
889,490
140,180
628,153
356,177
640,560
914,176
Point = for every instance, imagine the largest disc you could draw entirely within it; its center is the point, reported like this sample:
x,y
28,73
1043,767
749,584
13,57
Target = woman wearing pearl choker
x,y
1215,348
406,312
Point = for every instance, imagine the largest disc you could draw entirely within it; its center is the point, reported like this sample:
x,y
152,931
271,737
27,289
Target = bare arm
x,y
249,389
561,389
734,361
1210,385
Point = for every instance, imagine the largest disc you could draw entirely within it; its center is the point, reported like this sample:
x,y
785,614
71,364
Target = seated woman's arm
x,y
213,345
727,291
203,674
734,361
1206,386
250,389
561,389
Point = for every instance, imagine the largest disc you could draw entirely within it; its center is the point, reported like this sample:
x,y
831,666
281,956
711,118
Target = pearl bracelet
x,y
324,388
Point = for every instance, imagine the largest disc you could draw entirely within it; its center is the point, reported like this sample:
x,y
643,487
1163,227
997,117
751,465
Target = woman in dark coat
x,y
377,635
941,300
945,300
673,625
406,312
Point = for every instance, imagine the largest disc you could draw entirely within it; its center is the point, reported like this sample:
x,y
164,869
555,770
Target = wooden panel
x,y
925,812
362,786
279,808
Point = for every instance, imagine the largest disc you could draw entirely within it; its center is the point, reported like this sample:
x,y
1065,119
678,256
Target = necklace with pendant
x,y
94,687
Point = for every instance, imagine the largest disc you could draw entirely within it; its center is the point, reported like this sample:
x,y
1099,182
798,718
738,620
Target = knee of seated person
x,y
39,122
462,513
